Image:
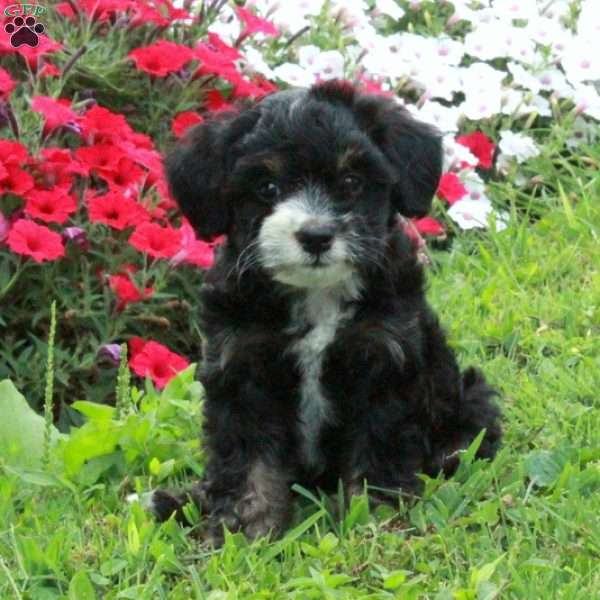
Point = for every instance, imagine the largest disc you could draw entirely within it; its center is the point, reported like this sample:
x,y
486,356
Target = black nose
x,y
316,239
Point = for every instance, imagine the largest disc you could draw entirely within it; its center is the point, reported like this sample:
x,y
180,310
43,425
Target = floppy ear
x,y
197,170
414,150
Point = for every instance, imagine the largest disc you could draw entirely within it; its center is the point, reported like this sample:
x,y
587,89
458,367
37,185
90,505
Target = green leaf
x,y
543,467
93,411
113,566
394,579
81,587
21,429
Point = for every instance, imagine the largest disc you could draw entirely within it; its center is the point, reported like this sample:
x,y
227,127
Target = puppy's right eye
x,y
268,191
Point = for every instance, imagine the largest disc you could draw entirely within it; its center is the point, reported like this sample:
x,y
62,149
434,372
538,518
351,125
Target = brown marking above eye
x,y
347,158
274,163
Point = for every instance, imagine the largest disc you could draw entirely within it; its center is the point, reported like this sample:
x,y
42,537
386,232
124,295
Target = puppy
x,y
322,360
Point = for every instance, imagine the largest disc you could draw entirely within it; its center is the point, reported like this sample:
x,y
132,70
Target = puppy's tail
x,y
478,410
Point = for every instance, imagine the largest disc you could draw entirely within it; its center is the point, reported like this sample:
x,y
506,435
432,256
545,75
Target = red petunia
x,y
33,54
254,24
214,60
215,102
57,112
157,241
451,188
161,58
99,124
13,153
429,226
126,290
101,158
193,250
183,121
7,84
157,362
49,70
30,239
58,166
141,13
14,180
253,89
481,146
116,210
126,175
52,206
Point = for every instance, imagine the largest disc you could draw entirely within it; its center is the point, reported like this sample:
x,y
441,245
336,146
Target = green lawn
x,y
522,303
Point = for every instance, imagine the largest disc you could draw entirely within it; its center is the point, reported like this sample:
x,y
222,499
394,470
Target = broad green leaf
x,y
94,411
21,429
81,587
544,466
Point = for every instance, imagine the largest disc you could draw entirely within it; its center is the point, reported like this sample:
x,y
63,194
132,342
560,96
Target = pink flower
x,y
157,362
183,121
429,226
193,250
451,188
7,84
157,241
56,111
52,206
254,24
30,239
161,58
480,146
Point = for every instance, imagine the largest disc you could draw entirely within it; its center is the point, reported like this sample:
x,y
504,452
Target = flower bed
x,y
85,213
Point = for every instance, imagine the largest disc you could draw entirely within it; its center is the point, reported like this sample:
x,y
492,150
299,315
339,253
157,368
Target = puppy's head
x,y
305,183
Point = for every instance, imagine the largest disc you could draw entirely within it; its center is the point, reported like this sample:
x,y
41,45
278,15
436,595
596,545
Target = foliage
x,y
523,302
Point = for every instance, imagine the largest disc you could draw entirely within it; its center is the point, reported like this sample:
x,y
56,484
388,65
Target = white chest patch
x,y
323,310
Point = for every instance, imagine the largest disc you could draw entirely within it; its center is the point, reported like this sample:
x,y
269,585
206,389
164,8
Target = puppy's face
x,y
305,183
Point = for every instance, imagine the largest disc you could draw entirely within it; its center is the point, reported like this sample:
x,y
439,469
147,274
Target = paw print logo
x,y
24,31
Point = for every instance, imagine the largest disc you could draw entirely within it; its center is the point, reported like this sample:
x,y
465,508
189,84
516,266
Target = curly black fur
x,y
309,382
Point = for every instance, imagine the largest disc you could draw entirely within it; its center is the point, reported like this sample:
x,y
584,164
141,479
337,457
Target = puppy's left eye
x,y
351,183
268,190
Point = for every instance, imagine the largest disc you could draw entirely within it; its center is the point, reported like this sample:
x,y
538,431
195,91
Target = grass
x,y
523,303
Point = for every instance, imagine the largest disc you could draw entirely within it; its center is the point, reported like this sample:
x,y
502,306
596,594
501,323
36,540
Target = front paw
x,y
253,515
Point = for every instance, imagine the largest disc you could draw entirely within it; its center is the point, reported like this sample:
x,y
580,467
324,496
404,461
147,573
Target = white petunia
x,y
226,25
588,24
485,42
517,145
512,101
582,132
389,8
256,63
329,65
586,100
523,78
474,184
481,75
472,214
553,80
307,55
546,31
581,61
515,9
456,156
448,51
438,81
443,117
294,75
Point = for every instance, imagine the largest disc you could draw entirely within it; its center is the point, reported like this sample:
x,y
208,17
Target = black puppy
x,y
322,359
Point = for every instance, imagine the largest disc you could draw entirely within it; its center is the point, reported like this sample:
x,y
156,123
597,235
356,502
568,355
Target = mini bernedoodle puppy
x,y
322,360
